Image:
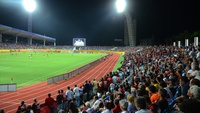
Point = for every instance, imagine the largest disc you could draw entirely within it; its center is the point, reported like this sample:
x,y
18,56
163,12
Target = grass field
x,y
25,70
119,62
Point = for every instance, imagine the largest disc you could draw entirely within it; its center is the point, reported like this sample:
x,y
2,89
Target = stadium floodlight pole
x,y
30,6
121,6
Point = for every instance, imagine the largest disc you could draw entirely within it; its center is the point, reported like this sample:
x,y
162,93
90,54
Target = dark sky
x,y
98,21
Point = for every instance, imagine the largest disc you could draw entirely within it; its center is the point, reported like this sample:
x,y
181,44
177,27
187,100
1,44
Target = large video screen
x,y
79,42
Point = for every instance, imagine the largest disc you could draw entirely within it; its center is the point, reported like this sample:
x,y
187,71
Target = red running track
x,y
9,101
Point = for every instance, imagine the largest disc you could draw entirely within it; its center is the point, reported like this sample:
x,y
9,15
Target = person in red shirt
x,y
49,101
153,94
109,80
117,108
121,89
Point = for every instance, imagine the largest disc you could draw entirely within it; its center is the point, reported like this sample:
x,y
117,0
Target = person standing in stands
x,y
49,101
70,95
36,106
77,95
64,99
22,107
87,90
59,100
95,86
91,89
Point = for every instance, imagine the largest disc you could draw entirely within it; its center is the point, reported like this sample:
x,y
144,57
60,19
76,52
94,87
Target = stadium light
x,y
131,39
120,5
29,5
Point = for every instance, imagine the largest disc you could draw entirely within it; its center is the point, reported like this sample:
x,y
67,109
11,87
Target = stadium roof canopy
x,y
17,32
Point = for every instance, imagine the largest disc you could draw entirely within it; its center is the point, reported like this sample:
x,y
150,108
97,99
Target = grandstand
x,y
13,35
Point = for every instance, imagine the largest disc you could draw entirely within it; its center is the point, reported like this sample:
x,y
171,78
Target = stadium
x,y
37,75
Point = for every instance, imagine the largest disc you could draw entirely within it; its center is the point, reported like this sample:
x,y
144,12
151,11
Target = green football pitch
x,y
24,70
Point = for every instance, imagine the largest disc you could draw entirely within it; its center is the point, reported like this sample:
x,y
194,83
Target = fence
x,y
65,76
8,87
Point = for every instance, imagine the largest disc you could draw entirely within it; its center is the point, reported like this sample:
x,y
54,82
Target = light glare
x,y
29,5
120,4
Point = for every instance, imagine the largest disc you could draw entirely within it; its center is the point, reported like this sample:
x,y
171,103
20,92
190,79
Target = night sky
x,y
99,22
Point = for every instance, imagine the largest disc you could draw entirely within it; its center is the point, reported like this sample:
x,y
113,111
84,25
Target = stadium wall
x,y
59,50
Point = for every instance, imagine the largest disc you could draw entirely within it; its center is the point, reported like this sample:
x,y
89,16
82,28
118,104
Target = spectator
x,y
1,111
117,108
153,94
64,99
87,106
162,103
87,90
121,89
22,107
49,101
77,95
124,106
95,86
195,82
91,88
153,107
184,89
194,92
112,86
169,93
131,107
70,95
35,106
107,107
141,106
29,109
111,100
189,106
59,100
72,106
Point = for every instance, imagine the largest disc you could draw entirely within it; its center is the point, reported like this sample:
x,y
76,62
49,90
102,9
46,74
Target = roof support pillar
x,y
16,39
30,41
0,38
44,43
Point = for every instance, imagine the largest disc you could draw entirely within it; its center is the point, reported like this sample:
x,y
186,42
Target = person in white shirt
x,y
70,95
112,87
114,78
198,54
77,95
124,106
95,101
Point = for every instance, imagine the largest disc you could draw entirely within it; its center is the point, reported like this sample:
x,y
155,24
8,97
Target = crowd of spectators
x,y
40,46
154,79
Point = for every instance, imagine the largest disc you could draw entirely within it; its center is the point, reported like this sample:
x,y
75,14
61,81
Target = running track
x,y
9,101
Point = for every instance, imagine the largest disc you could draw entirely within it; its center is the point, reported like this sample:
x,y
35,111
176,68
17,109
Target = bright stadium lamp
x,y
120,5
29,5
130,40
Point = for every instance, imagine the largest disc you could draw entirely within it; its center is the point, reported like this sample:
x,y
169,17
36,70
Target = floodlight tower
x,y
121,5
30,6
